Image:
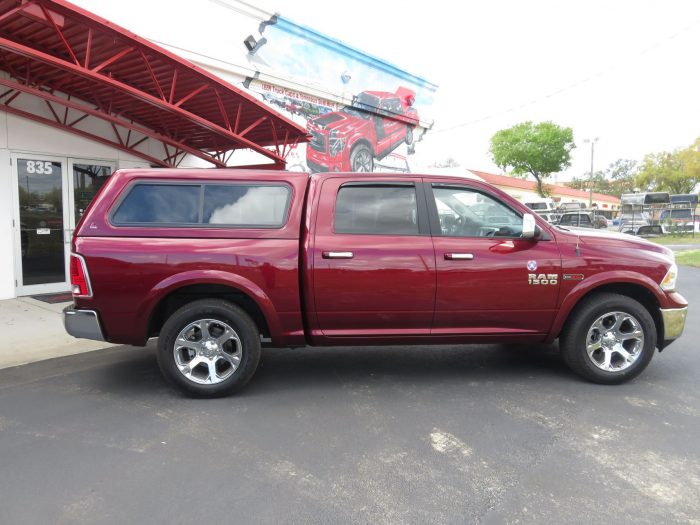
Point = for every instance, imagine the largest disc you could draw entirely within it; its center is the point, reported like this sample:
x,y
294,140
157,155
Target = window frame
x,y
200,214
435,227
421,207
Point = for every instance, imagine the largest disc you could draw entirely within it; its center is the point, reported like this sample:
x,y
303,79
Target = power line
x,y
566,88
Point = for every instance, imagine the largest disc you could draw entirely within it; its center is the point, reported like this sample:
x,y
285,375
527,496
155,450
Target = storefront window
x,y
87,180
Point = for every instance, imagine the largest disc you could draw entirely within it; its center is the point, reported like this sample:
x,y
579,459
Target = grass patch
x,y
689,258
676,239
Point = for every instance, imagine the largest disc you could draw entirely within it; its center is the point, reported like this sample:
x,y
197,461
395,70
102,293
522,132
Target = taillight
x,y
79,280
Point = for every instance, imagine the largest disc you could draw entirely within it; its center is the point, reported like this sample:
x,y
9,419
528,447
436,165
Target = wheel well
x,y
363,142
180,297
635,291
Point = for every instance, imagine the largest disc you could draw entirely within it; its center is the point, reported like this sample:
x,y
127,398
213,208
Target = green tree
x,y
601,184
618,178
622,175
535,149
675,172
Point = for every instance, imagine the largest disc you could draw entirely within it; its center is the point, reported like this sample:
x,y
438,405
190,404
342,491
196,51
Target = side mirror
x,y
529,226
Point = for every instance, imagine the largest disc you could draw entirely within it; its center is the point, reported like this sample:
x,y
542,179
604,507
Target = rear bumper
x,y
83,324
674,323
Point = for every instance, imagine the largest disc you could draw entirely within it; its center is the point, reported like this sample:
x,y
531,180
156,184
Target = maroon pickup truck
x,y
217,263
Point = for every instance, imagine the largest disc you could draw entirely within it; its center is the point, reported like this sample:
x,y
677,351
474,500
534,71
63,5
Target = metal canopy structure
x,y
81,68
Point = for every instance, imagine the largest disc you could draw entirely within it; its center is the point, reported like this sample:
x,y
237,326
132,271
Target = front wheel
x,y
361,159
209,348
608,339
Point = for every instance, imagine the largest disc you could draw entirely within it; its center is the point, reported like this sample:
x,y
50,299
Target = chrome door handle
x,y
337,255
459,256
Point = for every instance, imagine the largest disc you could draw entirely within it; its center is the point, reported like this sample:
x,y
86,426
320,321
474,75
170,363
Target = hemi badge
x,y
573,277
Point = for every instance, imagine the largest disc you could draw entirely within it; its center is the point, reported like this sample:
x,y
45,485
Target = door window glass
x,y
376,209
464,212
40,188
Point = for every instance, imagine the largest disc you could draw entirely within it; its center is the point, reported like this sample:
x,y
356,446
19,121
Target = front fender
x,y
198,277
596,281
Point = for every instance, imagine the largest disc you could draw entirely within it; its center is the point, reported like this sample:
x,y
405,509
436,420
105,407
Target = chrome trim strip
x,y
674,322
83,324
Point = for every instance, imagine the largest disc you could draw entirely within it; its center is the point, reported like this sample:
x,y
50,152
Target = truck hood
x,y
592,237
338,121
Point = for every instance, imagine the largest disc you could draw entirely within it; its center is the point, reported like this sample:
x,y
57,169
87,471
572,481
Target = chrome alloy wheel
x,y
207,351
615,341
362,162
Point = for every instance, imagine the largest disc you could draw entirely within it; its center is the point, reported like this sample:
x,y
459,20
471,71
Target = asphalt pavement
x,y
449,434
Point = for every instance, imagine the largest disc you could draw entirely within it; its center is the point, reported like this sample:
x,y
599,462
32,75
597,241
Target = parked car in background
x,y
649,232
632,226
571,206
583,220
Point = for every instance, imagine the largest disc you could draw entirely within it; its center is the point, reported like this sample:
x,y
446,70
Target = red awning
x,y
83,67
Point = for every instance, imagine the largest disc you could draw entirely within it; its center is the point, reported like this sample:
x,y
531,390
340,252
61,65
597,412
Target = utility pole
x,y
590,179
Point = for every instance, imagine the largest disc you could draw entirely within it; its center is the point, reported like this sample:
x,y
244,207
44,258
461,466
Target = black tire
x,y
574,338
362,159
409,135
214,310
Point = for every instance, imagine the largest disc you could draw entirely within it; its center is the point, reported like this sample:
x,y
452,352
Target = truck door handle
x,y
337,255
459,256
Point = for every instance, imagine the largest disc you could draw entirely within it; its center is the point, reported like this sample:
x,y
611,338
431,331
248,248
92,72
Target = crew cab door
x,y
373,261
489,280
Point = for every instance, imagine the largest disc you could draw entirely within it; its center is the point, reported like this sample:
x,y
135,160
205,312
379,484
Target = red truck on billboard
x,y
351,139
216,263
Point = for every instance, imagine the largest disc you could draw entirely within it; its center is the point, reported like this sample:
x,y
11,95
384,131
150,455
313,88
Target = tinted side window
x,y
464,212
573,220
375,209
159,204
241,205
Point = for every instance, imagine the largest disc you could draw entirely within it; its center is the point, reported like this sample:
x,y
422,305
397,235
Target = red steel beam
x,y
80,132
108,118
15,10
113,58
76,69
48,16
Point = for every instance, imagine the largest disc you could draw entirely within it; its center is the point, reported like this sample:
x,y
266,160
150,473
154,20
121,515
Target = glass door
x,y
87,177
40,223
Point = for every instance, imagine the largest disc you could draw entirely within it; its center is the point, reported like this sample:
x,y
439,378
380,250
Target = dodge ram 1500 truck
x,y
216,263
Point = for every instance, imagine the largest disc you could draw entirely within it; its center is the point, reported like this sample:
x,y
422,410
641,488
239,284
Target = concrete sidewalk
x,y
33,330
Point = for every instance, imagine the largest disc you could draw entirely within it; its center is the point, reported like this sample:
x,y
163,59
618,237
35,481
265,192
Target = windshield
x,y
349,110
362,106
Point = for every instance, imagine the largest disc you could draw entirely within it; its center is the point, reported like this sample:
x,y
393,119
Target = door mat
x,y
53,298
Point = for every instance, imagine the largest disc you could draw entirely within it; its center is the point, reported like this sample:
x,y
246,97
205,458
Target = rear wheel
x,y
609,339
209,348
